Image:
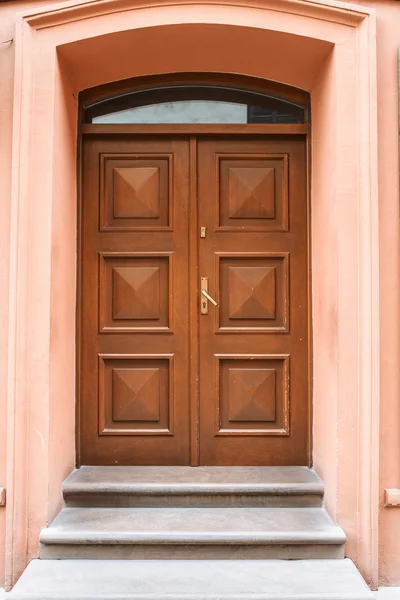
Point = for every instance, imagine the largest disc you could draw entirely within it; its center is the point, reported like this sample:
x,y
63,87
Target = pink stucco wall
x,y
388,30
7,54
6,102
307,62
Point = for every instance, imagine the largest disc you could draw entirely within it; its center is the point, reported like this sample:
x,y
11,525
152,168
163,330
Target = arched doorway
x,y
194,273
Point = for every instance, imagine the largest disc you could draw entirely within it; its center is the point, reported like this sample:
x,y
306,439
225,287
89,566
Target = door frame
x,y
191,132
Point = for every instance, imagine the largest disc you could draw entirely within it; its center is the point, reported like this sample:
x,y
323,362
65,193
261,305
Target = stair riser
x,y
192,552
194,500
189,596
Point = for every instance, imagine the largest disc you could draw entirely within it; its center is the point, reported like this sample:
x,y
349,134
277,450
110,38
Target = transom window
x,y
195,104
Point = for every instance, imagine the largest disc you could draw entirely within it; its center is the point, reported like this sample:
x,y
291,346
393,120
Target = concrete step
x,y
193,486
191,580
195,533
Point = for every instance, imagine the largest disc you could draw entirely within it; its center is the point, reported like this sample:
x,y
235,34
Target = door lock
x,y
205,296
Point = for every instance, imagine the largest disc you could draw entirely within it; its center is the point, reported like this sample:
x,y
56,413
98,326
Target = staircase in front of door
x,y
183,533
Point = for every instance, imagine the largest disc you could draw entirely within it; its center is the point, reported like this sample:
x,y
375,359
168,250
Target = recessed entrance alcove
x,y
331,56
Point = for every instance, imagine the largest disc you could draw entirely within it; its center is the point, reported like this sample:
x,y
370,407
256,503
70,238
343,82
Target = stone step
x,y
191,580
205,533
193,486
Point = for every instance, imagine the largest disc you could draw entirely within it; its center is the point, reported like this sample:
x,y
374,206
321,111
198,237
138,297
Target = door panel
x,y
134,312
254,344
254,292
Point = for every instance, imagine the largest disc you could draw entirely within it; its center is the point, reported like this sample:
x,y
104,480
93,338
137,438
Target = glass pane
x,y
286,114
187,111
195,104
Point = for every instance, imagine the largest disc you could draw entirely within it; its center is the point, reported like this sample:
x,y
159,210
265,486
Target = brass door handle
x,y
209,297
205,296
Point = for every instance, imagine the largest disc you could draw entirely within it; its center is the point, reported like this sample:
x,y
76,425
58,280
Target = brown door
x,y
254,344
138,366
134,317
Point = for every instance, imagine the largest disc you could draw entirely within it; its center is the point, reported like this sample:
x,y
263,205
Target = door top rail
x,y
194,129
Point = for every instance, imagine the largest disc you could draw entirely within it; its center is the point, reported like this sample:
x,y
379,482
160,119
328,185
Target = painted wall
x,y
8,13
6,102
388,39
388,33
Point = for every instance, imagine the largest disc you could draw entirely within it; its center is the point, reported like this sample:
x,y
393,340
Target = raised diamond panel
x,y
136,192
134,395
251,192
135,293
252,292
253,396
137,394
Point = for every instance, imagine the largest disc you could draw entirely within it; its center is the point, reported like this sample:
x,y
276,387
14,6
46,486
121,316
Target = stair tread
x,y
191,480
181,579
193,525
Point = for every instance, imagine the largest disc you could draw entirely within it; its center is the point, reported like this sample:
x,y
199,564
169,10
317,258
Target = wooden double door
x,y
166,377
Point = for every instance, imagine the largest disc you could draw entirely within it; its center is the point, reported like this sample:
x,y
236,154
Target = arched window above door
x,y
191,103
